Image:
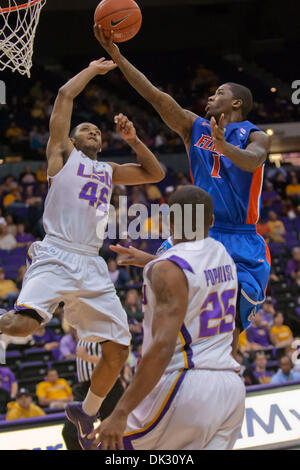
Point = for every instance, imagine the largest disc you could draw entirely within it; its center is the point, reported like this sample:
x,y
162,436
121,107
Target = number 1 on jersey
x,y
216,167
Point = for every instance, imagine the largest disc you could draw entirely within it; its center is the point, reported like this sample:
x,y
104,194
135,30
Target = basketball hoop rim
x,y
20,7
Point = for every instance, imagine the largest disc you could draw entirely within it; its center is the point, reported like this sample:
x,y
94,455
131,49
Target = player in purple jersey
x,y
226,155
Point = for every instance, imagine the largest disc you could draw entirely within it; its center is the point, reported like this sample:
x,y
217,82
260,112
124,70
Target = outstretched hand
x,y
125,128
130,256
218,133
103,66
106,40
110,433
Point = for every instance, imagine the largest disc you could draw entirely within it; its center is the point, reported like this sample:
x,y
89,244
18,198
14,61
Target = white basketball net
x,y
18,22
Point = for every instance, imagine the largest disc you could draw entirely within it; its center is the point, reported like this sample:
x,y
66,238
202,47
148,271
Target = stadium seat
x,y
30,383
37,354
21,251
57,330
32,369
13,359
65,366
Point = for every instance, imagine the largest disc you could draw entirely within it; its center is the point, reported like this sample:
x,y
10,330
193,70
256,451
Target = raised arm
x,y
147,170
170,288
175,117
60,146
132,256
249,159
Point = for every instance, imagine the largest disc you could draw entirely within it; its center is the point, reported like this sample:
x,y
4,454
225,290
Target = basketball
x,y
124,17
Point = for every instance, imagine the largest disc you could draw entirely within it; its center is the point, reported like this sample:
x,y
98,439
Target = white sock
x,y
92,403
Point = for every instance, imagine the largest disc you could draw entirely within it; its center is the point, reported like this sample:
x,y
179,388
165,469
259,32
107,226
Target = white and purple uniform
x,y
65,266
199,401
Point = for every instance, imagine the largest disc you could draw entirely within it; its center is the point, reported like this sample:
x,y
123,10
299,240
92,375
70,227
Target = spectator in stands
x,y
30,198
20,277
7,240
13,199
41,174
295,288
168,193
276,227
27,176
285,373
293,189
293,264
8,290
54,392
132,305
259,374
267,313
136,331
243,343
258,336
14,133
269,193
8,381
8,184
23,408
119,276
280,184
68,344
152,191
281,335
23,239
44,337
288,208
10,225
4,399
3,220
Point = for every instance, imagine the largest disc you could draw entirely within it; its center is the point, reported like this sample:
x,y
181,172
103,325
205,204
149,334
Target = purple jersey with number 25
x,y
205,339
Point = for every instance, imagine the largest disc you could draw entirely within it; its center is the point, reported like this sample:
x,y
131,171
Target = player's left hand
x,y
102,66
110,433
125,128
218,133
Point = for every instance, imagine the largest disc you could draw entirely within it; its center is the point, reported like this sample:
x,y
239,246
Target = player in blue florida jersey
x,y
226,157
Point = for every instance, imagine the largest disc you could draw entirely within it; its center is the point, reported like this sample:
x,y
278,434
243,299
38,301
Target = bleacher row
x,y
11,260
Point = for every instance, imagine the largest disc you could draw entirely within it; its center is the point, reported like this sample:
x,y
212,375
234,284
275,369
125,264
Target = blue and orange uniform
x,y
236,196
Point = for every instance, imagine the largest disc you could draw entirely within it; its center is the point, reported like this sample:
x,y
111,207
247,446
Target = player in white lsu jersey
x,y
65,266
186,393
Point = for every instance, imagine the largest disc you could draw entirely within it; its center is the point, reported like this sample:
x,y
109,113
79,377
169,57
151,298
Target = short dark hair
x,y
193,195
240,92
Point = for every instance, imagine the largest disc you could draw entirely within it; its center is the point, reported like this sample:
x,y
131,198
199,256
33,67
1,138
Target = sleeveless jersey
x,y
235,192
204,341
77,204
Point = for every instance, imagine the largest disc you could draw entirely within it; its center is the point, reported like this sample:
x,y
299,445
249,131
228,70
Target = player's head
x,y
87,138
195,214
231,99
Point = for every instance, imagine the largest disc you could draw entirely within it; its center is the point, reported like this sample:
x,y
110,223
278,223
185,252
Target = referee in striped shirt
x,y
87,356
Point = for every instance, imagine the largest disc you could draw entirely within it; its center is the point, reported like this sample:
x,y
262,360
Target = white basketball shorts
x,y
58,271
189,410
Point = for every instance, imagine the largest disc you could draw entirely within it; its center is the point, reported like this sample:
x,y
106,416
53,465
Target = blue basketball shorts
x,y
253,261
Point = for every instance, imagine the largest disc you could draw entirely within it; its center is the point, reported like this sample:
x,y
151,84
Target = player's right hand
x,y
103,66
130,256
107,42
